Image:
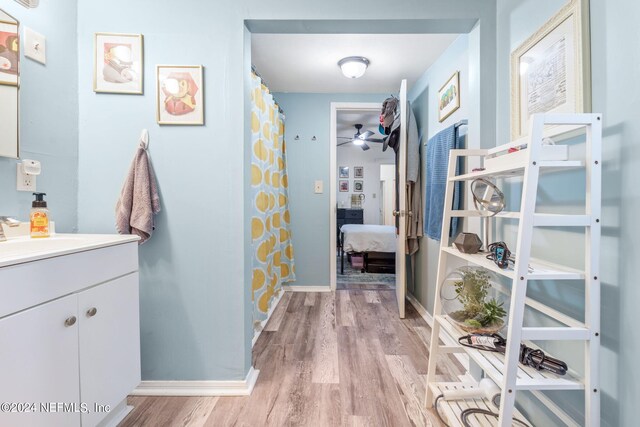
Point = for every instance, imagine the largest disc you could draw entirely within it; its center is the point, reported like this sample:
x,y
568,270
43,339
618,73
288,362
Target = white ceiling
x,y
308,63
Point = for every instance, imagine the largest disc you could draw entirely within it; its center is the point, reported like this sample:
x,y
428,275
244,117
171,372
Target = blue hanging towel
x,y
437,163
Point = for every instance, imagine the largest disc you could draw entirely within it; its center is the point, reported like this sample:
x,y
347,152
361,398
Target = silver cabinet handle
x,y
396,213
92,312
70,321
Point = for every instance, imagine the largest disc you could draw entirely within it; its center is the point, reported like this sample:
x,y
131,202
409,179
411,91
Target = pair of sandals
x,y
528,356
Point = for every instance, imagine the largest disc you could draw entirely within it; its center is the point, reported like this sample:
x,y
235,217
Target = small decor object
x,y
468,243
9,53
118,63
344,186
358,172
487,197
343,171
449,97
358,186
466,299
179,95
550,71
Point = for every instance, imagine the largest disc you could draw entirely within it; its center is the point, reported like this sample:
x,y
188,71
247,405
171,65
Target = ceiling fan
x,y
360,139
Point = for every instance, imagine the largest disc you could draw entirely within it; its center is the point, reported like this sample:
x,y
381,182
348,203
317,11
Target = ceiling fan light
x,y
353,67
358,141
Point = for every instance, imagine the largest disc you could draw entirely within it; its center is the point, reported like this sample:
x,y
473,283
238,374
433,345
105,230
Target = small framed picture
x,y
358,186
449,97
344,186
344,171
179,95
118,63
9,53
358,172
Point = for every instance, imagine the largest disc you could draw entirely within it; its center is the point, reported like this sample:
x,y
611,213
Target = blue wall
x,y
308,115
616,94
194,276
424,99
48,115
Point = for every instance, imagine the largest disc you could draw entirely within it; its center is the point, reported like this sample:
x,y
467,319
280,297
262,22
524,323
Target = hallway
x,y
325,359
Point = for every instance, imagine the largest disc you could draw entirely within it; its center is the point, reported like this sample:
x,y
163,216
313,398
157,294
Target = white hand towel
x,y
139,199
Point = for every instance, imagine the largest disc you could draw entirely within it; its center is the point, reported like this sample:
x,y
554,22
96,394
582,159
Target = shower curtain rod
x,y
254,71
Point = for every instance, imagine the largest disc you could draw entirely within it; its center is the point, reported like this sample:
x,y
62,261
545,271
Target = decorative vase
x,y
471,302
468,243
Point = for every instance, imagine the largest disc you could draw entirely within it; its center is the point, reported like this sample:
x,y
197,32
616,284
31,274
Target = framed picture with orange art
x,y
179,92
9,53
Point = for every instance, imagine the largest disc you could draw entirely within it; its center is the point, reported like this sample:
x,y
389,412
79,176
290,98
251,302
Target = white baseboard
x,y
291,288
199,388
420,309
462,357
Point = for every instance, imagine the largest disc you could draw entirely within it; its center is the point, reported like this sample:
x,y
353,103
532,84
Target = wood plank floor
x,y
326,359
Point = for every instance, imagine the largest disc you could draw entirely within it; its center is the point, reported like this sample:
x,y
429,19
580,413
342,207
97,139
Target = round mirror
x,y
487,198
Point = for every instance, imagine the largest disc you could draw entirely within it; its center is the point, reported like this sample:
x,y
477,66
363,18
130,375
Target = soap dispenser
x,y
39,216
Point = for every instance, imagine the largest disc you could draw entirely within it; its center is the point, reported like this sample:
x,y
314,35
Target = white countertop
x,y
18,250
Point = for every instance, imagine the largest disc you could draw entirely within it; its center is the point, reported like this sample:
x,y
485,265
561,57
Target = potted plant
x,y
469,304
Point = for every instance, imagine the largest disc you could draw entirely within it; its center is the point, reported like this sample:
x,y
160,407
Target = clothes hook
x,y
144,139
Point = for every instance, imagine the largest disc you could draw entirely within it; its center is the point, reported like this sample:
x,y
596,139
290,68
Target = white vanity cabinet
x,y
70,337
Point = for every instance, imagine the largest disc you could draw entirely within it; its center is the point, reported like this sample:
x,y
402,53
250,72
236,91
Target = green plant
x,y
493,312
472,291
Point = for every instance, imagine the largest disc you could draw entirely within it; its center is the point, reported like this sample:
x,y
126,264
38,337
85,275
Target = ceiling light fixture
x,y
353,66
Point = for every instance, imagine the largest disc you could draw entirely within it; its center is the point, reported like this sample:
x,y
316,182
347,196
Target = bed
x,y
366,239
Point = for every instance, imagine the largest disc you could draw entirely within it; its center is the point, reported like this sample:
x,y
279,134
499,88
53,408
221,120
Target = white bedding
x,y
369,238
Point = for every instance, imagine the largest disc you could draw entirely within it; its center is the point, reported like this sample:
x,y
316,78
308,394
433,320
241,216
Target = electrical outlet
x,y
317,188
25,182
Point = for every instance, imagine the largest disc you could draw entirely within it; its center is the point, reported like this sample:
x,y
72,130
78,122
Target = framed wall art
x,y
551,71
9,53
343,172
358,172
344,186
180,98
118,63
358,186
449,97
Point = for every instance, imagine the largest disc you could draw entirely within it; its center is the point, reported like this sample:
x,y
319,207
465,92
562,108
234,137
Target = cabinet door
x,y
39,364
109,344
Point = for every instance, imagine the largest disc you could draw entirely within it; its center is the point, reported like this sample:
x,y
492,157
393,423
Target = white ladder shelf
x,y
505,370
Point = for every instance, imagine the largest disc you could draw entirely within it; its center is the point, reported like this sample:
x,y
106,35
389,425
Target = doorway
x,y
359,152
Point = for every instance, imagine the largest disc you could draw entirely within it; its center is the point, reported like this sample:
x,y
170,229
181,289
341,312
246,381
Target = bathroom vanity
x,y
69,329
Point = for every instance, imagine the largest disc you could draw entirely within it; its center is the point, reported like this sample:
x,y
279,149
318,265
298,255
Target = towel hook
x,y
144,139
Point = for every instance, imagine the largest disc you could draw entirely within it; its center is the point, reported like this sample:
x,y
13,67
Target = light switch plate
x,y
318,187
35,46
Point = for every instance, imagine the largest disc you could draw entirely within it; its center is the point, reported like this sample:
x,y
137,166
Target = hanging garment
x,y
272,260
414,185
437,163
139,200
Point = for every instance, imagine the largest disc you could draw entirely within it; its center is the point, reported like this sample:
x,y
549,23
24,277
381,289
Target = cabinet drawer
x,y
33,283
354,214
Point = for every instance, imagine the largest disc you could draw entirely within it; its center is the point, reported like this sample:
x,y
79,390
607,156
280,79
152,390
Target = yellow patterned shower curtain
x,y
272,262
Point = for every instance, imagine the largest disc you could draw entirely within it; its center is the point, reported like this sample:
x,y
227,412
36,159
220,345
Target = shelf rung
x,y
548,384
518,170
450,349
542,270
555,333
553,220
492,364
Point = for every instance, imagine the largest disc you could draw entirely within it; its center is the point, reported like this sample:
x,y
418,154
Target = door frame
x,y
333,179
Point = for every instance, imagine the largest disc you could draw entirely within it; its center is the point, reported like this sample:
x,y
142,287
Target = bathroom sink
x,y
21,249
